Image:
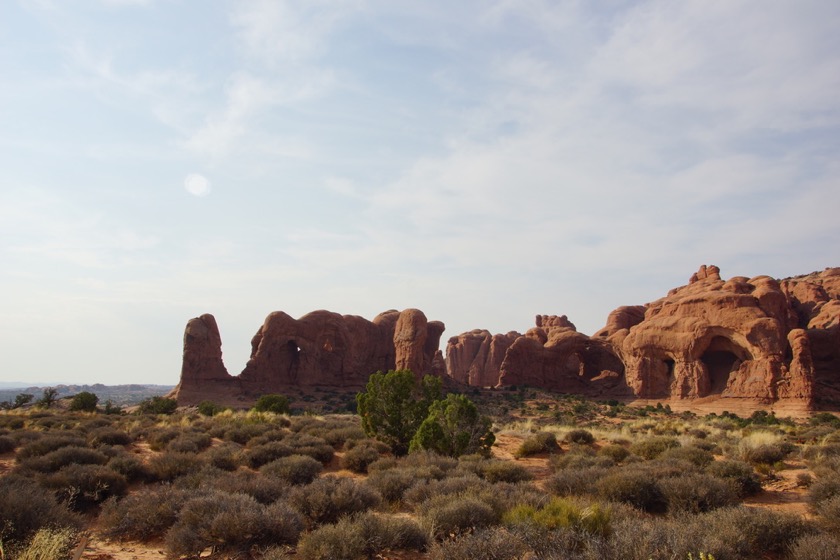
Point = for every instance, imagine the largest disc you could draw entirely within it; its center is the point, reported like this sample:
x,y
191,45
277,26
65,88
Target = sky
x,y
484,161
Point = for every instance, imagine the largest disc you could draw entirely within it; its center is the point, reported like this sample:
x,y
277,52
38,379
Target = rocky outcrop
x,y
552,355
761,339
321,348
475,358
742,338
716,338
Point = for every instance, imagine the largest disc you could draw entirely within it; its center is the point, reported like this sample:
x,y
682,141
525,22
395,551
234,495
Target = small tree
x,y
84,401
158,405
111,408
454,427
22,399
394,405
48,398
209,408
278,404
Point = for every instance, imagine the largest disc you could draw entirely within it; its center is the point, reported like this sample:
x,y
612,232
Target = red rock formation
x,y
712,337
319,349
562,359
475,358
623,318
744,338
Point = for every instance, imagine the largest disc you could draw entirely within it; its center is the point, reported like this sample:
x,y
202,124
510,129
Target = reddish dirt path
x,y
784,494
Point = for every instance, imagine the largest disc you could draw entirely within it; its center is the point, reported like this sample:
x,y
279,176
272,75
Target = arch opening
x,y
721,358
293,350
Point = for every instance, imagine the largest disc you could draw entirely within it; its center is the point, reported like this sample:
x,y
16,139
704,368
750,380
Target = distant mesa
x,y
762,340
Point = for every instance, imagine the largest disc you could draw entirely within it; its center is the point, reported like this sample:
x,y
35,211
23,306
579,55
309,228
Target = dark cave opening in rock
x,y
294,351
721,358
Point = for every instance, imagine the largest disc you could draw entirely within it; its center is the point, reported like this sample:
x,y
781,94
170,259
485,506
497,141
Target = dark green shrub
x,y
132,468
822,418
495,470
168,466
829,512
581,437
394,405
159,439
815,547
392,484
294,469
540,442
451,515
823,489
659,538
84,401
26,507
454,427
483,544
697,493
424,490
616,452
691,454
653,447
7,444
742,474
329,498
362,536
192,442
757,532
264,489
143,516
158,405
109,436
766,454
43,445
575,482
244,433
359,457
635,488
209,408
226,457
580,461
315,447
346,435
85,486
231,522
275,403
55,460
266,453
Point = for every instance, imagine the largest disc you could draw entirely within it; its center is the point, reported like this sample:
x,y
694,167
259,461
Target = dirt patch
x,y
7,462
784,493
505,448
98,549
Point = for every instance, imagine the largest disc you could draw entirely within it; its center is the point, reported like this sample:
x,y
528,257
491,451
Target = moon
x,y
197,185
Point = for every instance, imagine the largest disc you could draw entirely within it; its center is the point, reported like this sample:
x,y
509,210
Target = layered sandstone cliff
x,y
753,338
743,338
321,348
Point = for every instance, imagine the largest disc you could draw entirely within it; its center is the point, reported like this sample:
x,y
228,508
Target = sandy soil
x,y
784,494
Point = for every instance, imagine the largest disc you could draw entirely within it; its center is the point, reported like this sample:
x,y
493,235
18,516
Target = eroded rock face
x,y
712,337
752,338
475,358
755,338
321,348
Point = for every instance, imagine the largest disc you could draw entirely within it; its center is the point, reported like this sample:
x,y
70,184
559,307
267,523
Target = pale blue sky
x,y
485,161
